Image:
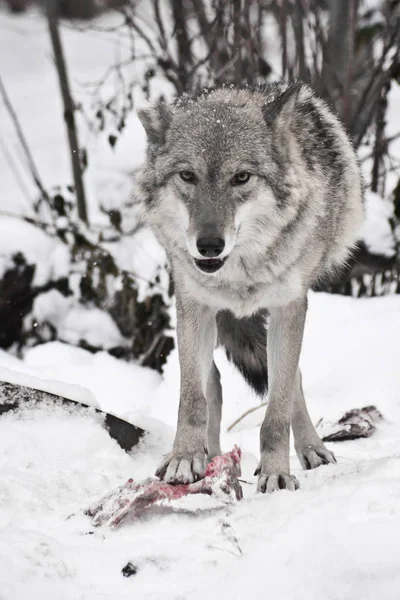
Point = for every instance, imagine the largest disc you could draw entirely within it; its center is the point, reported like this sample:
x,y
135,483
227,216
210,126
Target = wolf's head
x,y
215,164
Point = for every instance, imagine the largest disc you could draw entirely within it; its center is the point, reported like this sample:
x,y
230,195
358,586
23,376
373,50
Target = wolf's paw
x,y
182,467
268,483
315,455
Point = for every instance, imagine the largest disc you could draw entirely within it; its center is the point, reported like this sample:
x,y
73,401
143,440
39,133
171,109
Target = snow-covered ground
x,y
335,538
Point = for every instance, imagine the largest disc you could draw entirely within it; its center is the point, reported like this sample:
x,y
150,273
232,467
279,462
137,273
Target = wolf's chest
x,y
244,299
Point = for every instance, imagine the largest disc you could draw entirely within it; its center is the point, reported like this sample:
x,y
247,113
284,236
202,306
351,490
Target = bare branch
x,y
364,112
13,168
247,412
132,22
159,22
204,25
22,139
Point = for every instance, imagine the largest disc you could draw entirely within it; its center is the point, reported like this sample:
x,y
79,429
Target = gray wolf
x,y
255,194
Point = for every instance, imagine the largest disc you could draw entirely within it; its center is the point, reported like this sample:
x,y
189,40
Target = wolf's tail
x,y
245,342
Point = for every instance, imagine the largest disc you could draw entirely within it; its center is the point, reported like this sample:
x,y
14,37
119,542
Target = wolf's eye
x,y
241,178
188,176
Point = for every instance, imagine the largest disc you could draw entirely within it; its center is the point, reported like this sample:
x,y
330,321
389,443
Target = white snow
x,y
65,390
92,325
336,538
376,230
46,252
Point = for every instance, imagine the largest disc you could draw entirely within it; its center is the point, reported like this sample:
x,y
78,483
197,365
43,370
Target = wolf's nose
x,y
210,247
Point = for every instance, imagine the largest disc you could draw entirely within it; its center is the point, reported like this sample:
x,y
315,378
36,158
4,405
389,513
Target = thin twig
x,y
372,90
22,139
158,19
13,168
132,23
248,412
41,224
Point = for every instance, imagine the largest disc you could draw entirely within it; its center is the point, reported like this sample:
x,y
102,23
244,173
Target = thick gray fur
x,y
293,223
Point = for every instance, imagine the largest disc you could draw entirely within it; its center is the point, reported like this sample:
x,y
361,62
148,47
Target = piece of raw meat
x,y
131,499
355,424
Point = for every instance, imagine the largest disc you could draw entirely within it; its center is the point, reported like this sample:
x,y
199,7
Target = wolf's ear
x,y
156,121
282,106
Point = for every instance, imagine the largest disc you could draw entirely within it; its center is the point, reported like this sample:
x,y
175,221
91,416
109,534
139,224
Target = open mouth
x,y
209,265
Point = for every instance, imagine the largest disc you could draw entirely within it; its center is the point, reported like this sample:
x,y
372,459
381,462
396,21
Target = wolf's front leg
x,y
196,330
285,335
309,447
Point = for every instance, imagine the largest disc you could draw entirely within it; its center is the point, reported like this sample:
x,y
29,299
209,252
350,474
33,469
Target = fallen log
x,y
14,397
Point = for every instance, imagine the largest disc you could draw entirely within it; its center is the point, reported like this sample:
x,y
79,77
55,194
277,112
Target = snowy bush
x,y
66,285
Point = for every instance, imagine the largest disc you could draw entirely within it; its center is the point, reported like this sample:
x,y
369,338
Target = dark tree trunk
x,y
298,14
184,50
52,10
237,38
379,146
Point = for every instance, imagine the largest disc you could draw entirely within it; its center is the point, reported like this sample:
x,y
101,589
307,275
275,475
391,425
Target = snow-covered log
x,y
14,397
